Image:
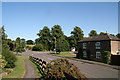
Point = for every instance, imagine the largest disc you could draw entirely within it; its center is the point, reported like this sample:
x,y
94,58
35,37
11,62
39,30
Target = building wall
x,y
115,45
91,49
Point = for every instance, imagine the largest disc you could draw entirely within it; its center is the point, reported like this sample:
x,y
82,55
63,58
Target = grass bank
x,y
19,69
65,54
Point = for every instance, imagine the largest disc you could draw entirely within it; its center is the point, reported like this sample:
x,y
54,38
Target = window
x,y
84,54
97,44
84,45
98,54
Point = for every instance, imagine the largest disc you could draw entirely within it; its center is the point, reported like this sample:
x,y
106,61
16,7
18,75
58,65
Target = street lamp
x,y
55,44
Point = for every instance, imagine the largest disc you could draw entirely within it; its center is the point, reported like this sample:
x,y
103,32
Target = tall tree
x,y
93,33
77,34
30,42
118,35
44,37
71,41
59,39
19,45
4,35
18,41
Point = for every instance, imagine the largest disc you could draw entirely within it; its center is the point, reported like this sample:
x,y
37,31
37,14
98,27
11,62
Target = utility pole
x,y
55,45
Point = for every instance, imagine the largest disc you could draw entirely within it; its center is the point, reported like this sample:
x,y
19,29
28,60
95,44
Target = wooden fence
x,y
41,64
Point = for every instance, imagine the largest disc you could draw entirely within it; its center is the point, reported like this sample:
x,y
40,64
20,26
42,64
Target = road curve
x,y
90,70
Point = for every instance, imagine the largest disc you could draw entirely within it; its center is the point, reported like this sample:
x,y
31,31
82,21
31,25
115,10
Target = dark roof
x,y
100,38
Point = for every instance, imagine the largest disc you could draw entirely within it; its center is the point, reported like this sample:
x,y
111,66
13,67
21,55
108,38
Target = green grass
x,y
19,70
65,54
30,45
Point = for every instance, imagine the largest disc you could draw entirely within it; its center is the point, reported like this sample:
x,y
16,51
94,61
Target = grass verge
x,y
19,70
65,54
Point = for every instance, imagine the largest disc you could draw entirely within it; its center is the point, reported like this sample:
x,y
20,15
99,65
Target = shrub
x,y
61,69
106,57
3,62
38,47
9,57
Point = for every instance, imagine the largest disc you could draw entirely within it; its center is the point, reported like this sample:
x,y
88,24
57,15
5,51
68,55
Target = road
x,y
89,70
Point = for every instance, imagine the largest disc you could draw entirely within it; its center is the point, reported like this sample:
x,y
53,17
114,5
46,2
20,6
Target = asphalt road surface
x,y
89,70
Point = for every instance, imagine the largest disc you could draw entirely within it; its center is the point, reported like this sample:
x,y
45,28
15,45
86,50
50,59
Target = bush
x,y
9,57
61,69
38,47
106,57
3,62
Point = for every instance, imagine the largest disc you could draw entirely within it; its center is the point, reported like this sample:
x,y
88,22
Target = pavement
x,y
90,70
31,72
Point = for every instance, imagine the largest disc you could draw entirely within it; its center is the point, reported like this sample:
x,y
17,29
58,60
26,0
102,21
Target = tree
x,y
9,57
30,42
71,40
77,34
37,40
4,35
93,33
18,41
102,33
118,35
62,45
19,45
56,33
38,47
112,34
58,36
44,38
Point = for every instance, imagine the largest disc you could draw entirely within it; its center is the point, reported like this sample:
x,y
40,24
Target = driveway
x,y
89,70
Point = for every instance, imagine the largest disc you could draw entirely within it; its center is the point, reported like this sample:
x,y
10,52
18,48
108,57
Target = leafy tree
x,y
44,38
58,36
71,41
102,33
37,40
22,40
38,47
4,35
62,45
77,34
112,34
30,42
118,35
93,33
18,41
19,45
9,57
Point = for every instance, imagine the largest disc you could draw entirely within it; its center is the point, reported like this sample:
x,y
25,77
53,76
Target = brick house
x,y
92,48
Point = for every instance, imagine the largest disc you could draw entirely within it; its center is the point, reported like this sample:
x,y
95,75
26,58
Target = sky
x,y
25,19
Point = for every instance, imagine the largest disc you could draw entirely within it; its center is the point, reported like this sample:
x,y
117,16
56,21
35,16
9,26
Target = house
x,y
92,48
